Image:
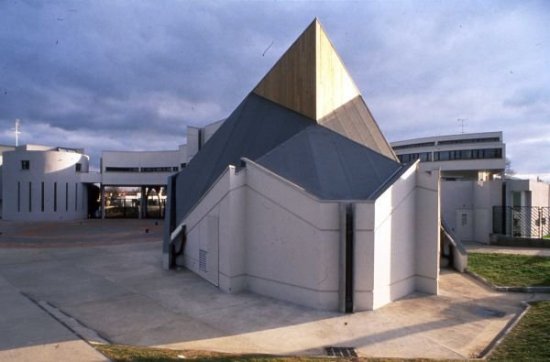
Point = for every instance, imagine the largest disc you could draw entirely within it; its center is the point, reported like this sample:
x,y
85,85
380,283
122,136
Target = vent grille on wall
x,y
203,260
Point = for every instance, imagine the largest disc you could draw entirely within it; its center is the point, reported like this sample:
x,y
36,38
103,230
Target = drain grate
x,y
340,351
488,312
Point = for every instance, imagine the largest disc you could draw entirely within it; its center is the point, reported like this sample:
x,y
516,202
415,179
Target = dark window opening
x,y
78,167
30,196
55,196
122,169
18,196
42,197
159,169
25,164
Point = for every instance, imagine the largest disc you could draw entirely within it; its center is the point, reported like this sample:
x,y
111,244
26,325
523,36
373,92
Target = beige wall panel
x,y
335,87
353,120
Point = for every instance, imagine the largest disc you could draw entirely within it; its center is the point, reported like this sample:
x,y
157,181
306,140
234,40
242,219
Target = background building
x,y
39,183
44,183
477,198
470,156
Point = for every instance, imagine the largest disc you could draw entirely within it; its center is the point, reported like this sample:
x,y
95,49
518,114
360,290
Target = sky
x,y
131,75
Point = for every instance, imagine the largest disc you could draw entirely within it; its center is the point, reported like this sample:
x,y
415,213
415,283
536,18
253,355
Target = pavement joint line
x,y
88,335
486,352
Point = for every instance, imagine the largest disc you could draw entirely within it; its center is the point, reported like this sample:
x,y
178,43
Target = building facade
x,y
477,198
470,156
298,195
44,183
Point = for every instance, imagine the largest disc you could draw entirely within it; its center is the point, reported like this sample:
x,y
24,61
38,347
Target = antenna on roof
x,y
17,132
461,121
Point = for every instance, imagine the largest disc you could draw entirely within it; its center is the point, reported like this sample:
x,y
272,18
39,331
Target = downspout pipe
x,y
347,241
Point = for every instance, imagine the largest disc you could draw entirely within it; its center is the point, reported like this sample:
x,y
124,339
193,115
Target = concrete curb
x,y
498,288
504,332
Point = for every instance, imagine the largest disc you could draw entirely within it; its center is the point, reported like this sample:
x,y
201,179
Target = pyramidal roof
x,y
342,155
311,79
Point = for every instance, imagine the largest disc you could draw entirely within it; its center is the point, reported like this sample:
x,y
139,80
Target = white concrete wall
x,y
140,159
273,238
394,241
292,242
53,169
428,221
220,207
364,264
198,136
474,200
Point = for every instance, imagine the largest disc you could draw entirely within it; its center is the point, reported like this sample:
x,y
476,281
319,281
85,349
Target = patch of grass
x,y
123,353
530,339
511,270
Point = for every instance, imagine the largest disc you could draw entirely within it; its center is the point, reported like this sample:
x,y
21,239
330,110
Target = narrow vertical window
x,y
75,197
55,196
42,197
66,196
18,196
30,196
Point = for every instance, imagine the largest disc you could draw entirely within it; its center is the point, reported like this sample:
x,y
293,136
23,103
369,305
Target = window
x,y
183,165
78,167
18,196
55,196
470,140
159,169
25,164
30,196
442,156
414,145
122,169
42,197
67,196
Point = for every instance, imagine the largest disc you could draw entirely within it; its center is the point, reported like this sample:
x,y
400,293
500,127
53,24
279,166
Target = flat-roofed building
x,y
479,156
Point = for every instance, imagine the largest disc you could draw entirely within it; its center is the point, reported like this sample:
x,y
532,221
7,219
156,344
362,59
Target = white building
x,y
477,200
470,156
39,183
44,183
299,196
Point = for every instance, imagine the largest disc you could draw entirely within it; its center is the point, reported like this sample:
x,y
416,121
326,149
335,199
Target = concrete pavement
x,y
28,333
121,292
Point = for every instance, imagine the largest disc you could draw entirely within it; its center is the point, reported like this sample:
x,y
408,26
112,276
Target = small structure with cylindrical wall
x,y
43,184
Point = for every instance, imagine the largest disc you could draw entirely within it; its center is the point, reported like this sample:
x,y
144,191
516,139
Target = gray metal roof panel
x,y
329,165
255,127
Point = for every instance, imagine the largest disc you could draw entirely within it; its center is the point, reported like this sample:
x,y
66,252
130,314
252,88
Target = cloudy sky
x,y
130,75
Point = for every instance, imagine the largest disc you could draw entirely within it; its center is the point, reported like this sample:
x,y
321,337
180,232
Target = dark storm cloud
x,y
133,74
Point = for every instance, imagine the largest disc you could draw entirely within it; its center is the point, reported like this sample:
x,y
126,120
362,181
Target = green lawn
x,y
511,270
121,353
530,339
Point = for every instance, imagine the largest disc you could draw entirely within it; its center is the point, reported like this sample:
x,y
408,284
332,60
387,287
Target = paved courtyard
x,y
108,276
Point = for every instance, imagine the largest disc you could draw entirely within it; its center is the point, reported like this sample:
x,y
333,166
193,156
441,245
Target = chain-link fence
x,y
522,221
